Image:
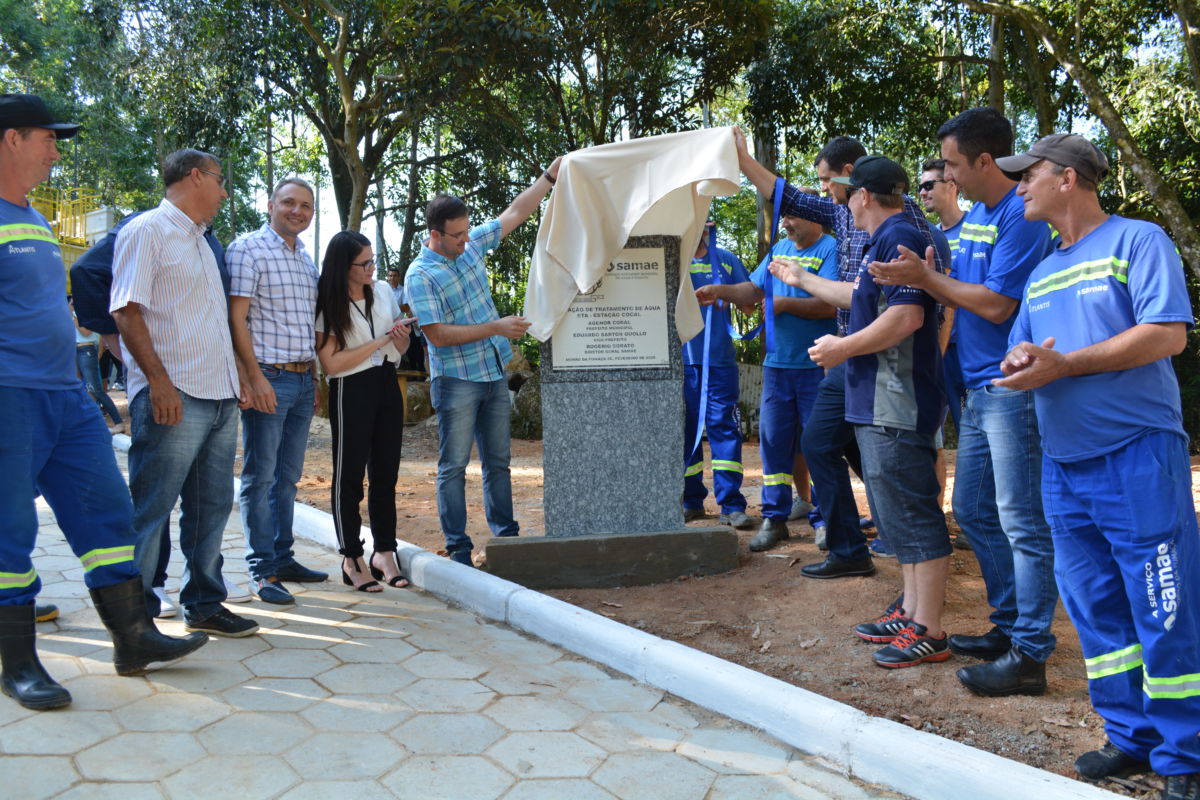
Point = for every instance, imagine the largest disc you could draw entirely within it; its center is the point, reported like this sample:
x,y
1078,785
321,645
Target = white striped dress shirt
x,y
162,263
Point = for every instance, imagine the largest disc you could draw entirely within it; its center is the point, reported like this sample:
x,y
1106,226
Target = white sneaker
x,y
235,593
167,606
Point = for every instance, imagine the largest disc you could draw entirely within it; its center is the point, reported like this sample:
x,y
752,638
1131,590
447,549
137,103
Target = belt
x,y
292,366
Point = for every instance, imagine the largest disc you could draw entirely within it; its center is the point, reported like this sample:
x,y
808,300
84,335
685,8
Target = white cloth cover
x,y
665,183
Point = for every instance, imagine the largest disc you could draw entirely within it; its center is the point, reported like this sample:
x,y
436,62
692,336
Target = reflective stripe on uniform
x,y
1171,688
729,466
979,233
1114,663
103,556
1087,271
777,479
25,231
17,580
810,263
694,469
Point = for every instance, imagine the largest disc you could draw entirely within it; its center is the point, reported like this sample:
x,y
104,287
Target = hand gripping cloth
x,y
603,192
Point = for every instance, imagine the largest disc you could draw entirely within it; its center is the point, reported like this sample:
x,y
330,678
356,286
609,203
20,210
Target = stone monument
x,y
612,420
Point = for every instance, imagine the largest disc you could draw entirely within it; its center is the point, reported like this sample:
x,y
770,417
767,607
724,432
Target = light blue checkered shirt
x,y
456,292
282,286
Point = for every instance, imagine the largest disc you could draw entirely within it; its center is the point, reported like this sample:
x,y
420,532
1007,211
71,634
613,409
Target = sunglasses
x,y
927,186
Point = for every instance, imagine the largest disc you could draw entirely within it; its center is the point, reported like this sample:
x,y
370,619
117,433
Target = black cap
x,y
877,175
30,111
1064,149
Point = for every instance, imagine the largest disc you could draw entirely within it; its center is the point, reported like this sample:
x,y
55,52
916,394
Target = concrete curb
x,y
878,751
875,750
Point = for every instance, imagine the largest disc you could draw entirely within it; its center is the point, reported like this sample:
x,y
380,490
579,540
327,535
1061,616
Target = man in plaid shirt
x,y
448,291
272,307
828,440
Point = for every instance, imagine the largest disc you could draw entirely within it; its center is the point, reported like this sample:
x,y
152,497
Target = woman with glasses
x,y
359,343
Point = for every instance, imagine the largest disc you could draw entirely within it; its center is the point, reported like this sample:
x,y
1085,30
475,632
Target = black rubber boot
x,y
138,646
770,534
1012,673
24,679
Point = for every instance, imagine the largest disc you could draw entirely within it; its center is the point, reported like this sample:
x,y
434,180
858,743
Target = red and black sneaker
x,y
886,628
912,647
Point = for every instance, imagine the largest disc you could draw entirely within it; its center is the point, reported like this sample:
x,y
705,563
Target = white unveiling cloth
x,y
665,183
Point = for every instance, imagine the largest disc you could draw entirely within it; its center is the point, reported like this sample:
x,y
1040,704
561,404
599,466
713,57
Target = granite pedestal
x,y
613,438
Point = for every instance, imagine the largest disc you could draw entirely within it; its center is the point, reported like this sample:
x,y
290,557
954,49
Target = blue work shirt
x,y
456,292
793,334
1126,272
720,345
998,248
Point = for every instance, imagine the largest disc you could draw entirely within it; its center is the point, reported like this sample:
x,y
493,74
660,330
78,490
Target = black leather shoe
x,y
770,534
1182,787
1108,762
1012,673
298,573
835,568
989,647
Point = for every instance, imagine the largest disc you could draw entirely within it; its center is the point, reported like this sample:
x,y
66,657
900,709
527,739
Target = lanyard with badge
x,y
377,353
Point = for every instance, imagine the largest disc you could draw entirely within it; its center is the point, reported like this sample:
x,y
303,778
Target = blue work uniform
x,y
56,443
790,378
722,422
1117,487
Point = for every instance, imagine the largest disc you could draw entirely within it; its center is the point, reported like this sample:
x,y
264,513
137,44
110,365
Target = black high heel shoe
x,y
366,587
377,573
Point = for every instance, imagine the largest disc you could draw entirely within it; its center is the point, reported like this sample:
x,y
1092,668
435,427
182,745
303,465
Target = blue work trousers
x,y
55,444
273,448
1127,559
997,502
788,396
191,461
722,424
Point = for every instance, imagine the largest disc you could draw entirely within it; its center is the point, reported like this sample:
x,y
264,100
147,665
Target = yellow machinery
x,y
67,210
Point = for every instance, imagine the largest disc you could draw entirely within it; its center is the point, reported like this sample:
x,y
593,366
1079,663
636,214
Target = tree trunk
x,y
381,247
996,66
1188,14
1037,78
766,150
410,211
1187,238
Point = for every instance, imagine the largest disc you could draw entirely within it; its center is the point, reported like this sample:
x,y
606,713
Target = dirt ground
x,y
766,616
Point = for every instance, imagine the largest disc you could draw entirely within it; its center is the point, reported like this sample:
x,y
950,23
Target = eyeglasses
x,y
365,264
458,237
927,186
220,178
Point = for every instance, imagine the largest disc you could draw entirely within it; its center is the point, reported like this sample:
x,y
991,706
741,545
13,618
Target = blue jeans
x,y
828,442
470,411
192,461
89,369
273,448
998,504
898,469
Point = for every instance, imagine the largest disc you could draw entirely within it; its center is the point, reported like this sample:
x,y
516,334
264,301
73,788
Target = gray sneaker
x,y
736,519
800,509
820,529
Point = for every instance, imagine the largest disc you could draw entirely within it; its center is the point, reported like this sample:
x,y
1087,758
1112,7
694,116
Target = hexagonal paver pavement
x,y
391,695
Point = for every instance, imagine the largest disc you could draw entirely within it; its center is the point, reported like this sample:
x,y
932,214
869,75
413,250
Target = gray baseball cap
x,y
1064,149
